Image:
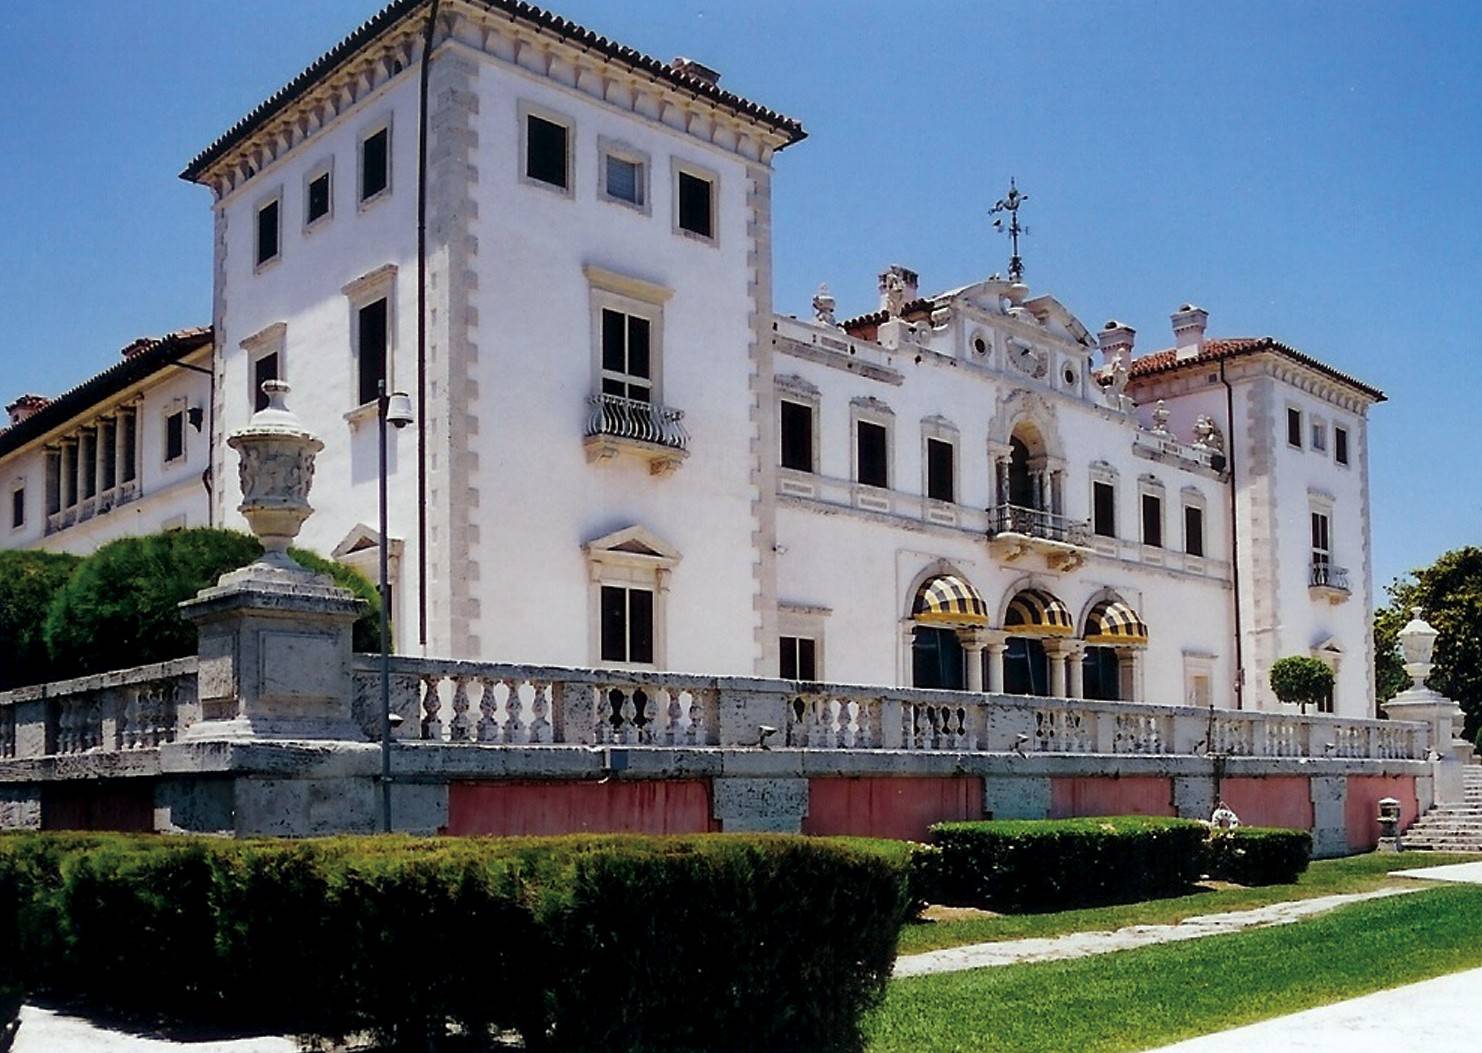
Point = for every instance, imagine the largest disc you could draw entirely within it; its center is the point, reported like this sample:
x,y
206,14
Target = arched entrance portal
x,y
945,607
1034,616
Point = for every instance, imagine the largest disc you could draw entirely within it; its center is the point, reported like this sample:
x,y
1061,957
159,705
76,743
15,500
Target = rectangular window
x,y
53,482
1104,509
1319,435
1340,445
375,163
130,439
626,361
627,625
1294,428
797,436
1193,530
1152,520
69,472
695,204
316,199
545,151
871,443
18,507
264,369
267,233
89,463
939,470
371,350
109,431
175,436
1321,549
798,659
625,179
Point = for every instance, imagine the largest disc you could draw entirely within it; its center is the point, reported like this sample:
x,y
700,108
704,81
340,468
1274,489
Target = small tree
x,y
1300,680
28,581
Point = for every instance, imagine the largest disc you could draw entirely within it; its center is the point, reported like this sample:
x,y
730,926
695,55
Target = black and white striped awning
x,y
1034,612
1113,622
948,600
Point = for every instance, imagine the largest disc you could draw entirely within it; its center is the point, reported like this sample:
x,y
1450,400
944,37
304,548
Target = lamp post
x,y
394,409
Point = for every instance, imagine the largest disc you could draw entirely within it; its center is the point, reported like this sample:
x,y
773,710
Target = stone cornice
x,y
395,50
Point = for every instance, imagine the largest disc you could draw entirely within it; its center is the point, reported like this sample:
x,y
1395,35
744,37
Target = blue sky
x,y
1307,170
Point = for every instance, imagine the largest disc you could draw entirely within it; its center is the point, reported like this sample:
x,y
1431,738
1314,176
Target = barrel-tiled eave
x,y
1158,363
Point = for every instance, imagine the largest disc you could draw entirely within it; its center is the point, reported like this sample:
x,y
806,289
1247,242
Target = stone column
x,y
973,644
99,475
1002,467
1057,492
1056,654
1077,672
1133,657
996,648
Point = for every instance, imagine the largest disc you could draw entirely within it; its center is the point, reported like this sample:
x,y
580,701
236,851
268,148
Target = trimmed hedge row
x,y
1256,855
1063,863
614,943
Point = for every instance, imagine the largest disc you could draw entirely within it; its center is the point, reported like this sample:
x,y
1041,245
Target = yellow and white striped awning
x,y
1114,622
1036,613
948,600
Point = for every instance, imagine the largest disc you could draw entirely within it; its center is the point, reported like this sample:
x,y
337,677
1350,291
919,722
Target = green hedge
x,y
1058,864
28,583
120,607
1254,855
614,943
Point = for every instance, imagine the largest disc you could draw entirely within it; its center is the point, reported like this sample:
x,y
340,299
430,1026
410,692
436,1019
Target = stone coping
x,y
140,674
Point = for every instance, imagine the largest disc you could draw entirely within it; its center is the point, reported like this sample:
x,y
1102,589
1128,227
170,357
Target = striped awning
x,y
948,600
1114,622
1036,613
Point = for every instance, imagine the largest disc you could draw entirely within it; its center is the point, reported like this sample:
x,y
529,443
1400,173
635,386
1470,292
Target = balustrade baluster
x,y
488,726
432,726
540,724
515,729
458,729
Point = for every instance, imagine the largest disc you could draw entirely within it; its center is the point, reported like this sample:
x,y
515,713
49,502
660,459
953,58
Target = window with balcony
x,y
871,454
941,473
798,658
796,427
1104,508
626,363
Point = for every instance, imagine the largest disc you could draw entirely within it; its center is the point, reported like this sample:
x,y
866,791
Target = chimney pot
x,y
25,406
909,279
1189,324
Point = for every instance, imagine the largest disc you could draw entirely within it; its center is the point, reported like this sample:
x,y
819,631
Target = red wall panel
x,y
1084,795
901,808
1272,800
638,806
1361,808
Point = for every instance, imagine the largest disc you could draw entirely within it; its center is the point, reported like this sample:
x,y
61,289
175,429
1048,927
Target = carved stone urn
x,y
276,471
1421,703
1418,644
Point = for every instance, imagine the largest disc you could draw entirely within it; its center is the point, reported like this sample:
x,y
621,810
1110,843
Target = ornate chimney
x,y
1189,323
1115,340
898,286
25,406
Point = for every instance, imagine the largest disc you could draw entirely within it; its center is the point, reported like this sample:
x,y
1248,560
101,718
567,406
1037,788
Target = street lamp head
x,y
399,409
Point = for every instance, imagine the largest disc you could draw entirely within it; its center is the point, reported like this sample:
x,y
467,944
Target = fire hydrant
x,y
1389,825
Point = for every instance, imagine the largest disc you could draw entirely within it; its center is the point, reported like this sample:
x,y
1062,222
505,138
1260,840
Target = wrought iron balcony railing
x,y
1037,522
616,417
1325,575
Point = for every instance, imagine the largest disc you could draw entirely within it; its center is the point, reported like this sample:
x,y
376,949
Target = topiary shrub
x,y
1057,864
1301,680
120,607
1254,855
28,583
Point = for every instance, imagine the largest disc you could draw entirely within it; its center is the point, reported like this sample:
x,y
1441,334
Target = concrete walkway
x,y
1085,944
1457,873
1433,1016
46,1031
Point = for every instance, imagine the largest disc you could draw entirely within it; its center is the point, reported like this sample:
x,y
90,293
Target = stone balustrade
x,y
496,704
130,709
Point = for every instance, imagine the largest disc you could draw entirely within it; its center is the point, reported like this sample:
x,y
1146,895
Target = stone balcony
x,y
1327,582
1015,531
651,432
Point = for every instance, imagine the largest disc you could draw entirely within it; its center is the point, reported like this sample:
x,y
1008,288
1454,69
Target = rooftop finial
x,y
1010,203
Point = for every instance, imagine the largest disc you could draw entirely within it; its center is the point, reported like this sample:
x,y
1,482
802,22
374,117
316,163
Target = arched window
x,y
943,605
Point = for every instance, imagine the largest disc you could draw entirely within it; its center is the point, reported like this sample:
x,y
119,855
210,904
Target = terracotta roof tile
x,y
1157,363
570,31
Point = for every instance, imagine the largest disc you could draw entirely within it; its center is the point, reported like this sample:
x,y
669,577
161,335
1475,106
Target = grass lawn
x,y
1325,877
1141,999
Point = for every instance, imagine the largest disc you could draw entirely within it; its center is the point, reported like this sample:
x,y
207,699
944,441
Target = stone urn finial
x,y
1418,643
277,468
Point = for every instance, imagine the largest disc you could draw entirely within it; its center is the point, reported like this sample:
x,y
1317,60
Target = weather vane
x,y
1010,203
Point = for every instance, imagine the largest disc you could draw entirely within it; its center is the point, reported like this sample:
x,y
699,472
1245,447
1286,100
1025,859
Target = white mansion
x,y
623,456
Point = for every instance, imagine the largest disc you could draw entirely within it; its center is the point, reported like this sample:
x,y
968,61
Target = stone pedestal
x,y
1450,753
275,656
